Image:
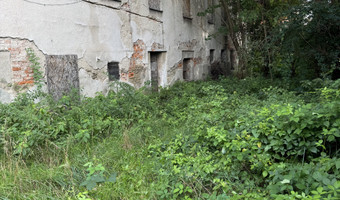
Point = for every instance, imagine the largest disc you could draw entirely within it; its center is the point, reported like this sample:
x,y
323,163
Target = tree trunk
x,y
231,24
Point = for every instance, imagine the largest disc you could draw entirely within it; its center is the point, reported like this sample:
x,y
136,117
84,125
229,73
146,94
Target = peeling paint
x,y
137,68
125,6
157,47
197,61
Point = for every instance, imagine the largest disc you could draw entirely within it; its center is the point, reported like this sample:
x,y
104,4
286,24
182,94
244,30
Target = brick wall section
x,y
22,73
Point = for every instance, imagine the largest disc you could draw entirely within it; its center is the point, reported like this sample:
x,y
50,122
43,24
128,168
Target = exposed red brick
x,y
137,57
131,75
22,73
29,71
16,68
28,78
26,82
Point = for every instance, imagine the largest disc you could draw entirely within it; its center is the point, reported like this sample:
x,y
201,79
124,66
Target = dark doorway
x,y
186,69
154,58
212,51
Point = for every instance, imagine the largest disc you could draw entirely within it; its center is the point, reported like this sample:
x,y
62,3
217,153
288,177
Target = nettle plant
x,y
96,175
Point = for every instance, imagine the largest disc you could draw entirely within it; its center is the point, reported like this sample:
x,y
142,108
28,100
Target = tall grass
x,y
144,137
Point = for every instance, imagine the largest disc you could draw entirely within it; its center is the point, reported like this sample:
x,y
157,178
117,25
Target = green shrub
x,y
226,139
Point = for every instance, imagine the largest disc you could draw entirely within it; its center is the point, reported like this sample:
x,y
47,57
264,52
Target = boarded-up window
x,y
154,57
113,70
62,74
155,5
186,9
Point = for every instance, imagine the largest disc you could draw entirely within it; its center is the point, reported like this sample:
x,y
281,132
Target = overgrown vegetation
x,y
225,139
282,39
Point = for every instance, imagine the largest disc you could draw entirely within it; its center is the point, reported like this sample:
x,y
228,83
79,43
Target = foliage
x,y
266,146
35,66
310,37
96,176
225,139
284,39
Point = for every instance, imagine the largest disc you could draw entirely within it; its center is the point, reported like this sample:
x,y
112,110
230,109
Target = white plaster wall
x,y
81,29
105,31
179,30
92,32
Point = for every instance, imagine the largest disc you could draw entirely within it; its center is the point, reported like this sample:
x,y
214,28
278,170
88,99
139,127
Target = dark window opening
x,y
232,59
223,56
155,5
210,15
113,70
186,69
186,9
212,51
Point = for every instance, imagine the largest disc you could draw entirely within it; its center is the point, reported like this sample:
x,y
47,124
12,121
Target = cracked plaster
x,y
100,31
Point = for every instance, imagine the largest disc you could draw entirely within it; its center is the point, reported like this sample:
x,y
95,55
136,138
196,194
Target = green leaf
x,y
112,178
264,173
84,183
319,189
90,185
98,178
317,176
313,150
267,148
337,164
255,134
331,138
300,186
326,123
285,181
326,181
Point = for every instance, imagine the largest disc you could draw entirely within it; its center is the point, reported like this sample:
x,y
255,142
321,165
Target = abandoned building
x,y
88,44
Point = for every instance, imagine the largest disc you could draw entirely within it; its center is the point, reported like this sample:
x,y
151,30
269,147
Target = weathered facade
x,y
133,41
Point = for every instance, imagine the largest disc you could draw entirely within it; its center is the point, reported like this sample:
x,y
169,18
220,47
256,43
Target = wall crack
x,y
128,11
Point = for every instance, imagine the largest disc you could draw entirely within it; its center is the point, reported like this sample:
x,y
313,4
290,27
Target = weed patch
x,y
225,139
